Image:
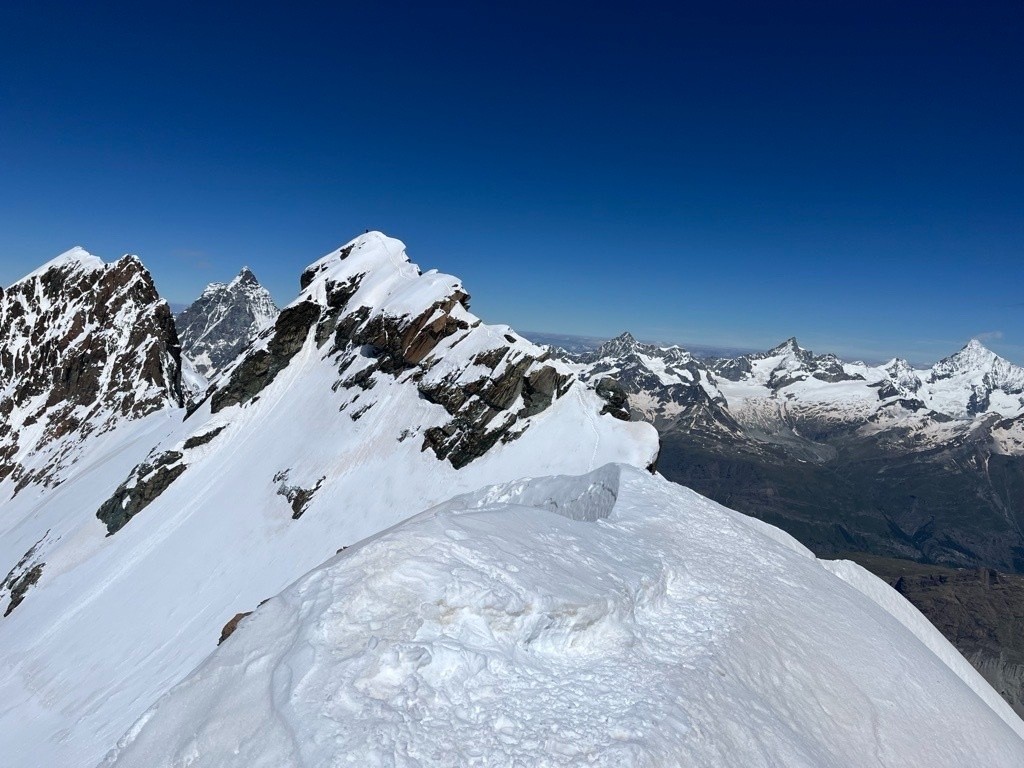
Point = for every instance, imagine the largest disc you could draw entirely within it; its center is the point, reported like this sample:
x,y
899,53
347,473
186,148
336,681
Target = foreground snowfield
x,y
611,619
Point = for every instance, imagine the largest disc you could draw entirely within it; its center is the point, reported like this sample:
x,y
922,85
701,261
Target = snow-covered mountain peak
x,y
373,271
976,359
976,347
380,319
622,345
244,276
84,346
625,345
789,347
898,366
73,259
213,288
783,365
224,320
663,383
975,380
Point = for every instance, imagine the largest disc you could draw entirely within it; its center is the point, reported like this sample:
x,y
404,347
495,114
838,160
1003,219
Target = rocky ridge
x,y
665,385
84,347
375,317
375,393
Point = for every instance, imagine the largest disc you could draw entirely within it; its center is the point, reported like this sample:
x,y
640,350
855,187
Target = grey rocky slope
x,y
224,320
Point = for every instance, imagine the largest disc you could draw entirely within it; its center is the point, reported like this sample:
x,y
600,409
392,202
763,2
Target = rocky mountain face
x,y
925,465
224,320
84,347
374,394
665,386
783,365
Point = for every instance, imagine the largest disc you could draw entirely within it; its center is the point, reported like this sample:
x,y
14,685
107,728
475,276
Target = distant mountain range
x,y
925,465
905,462
583,344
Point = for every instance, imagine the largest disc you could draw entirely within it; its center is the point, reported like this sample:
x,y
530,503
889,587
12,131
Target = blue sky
x,y
717,173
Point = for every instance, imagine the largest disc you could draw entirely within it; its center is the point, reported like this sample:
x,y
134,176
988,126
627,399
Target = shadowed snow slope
x,y
376,394
644,625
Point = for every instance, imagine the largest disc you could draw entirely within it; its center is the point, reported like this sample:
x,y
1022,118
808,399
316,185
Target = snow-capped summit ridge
x,y
384,278
623,344
76,257
245,277
373,396
381,318
976,358
790,345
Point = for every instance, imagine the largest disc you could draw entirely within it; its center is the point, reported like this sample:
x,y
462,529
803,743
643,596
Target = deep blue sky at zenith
x,y
722,173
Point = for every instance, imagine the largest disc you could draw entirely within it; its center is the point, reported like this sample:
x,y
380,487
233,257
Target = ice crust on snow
x,y
611,619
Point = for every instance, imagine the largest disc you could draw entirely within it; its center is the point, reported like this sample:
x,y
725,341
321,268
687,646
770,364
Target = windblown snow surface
x,y
612,619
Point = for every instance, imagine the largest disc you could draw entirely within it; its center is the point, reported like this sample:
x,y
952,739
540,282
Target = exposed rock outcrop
x,y
369,339
258,368
146,483
25,574
618,401
20,586
232,625
84,346
384,329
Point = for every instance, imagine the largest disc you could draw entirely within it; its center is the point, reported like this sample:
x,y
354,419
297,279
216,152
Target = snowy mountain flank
x,y
375,394
241,571
224,320
611,619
